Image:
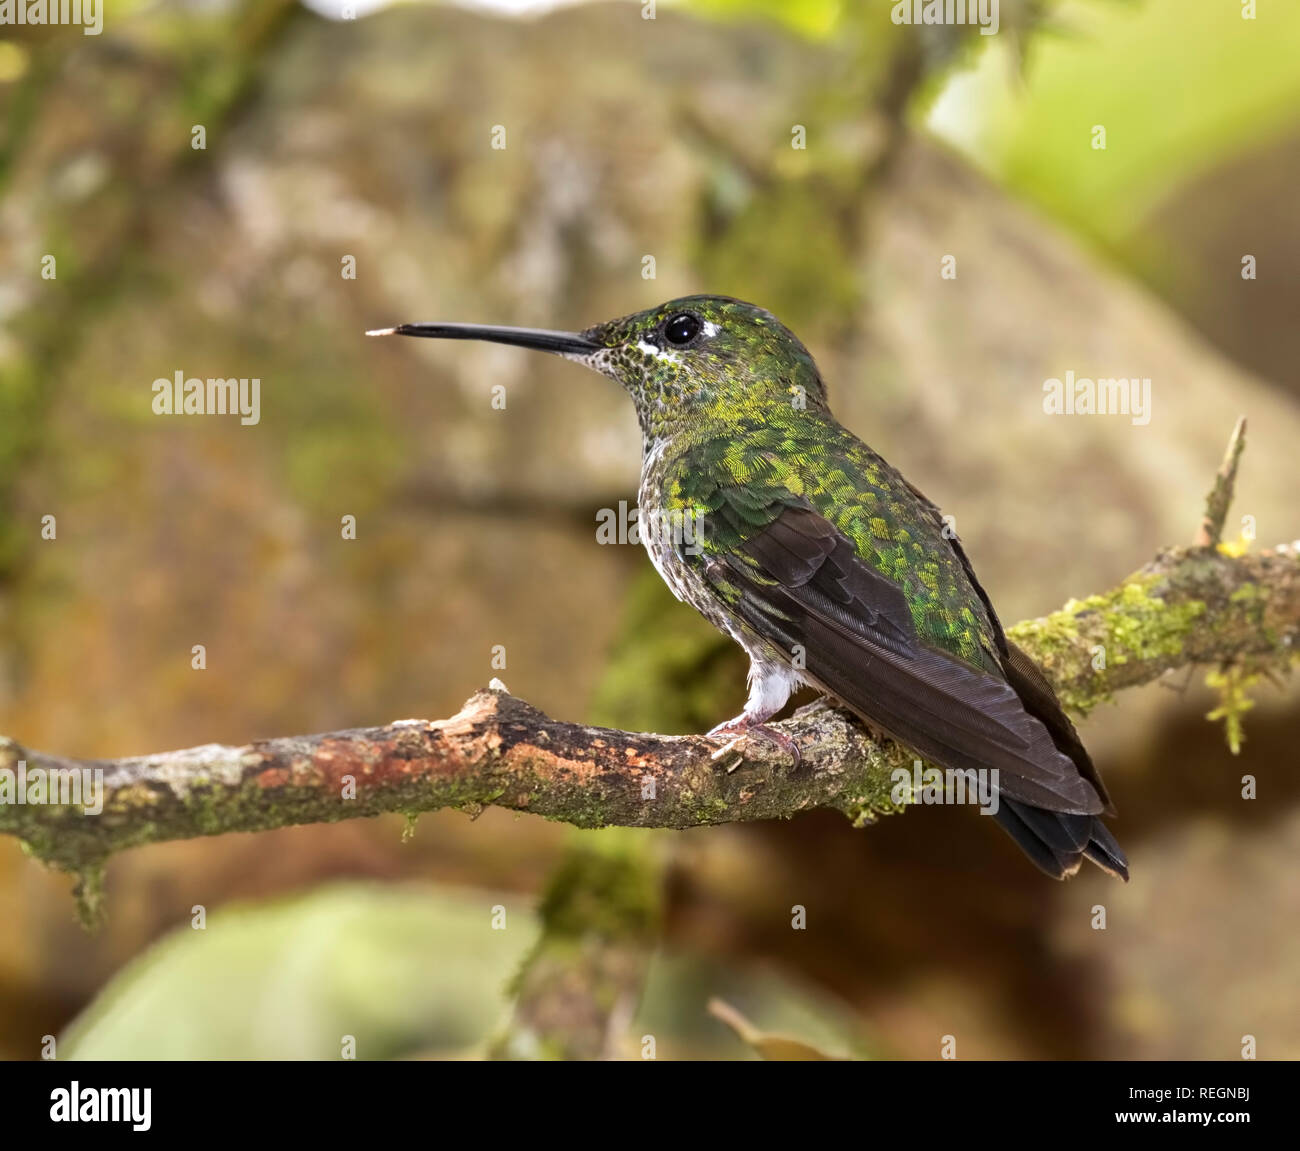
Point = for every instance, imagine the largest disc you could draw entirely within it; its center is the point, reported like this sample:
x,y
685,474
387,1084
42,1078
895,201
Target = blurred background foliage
x,y
329,137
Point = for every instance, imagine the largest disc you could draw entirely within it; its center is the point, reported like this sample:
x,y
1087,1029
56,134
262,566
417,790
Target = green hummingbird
x,y
797,540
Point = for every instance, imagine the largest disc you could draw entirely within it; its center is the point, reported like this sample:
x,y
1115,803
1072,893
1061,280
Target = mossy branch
x,y
1190,606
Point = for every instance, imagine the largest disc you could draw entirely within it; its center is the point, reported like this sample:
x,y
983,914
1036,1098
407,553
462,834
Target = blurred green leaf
x,y
1177,86
403,969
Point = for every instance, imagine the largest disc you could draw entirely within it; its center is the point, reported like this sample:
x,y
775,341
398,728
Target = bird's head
x,y
694,358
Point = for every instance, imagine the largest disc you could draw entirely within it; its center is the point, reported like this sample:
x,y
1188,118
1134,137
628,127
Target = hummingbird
x,y
801,543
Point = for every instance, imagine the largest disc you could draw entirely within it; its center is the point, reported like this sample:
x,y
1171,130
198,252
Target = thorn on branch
x,y
1219,500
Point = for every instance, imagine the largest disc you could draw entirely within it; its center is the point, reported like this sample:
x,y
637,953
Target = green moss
x,y
710,811
1253,601
1051,639
1140,625
1134,622
1232,685
608,886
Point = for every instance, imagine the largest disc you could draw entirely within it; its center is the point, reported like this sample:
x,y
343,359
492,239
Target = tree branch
x,y
1190,606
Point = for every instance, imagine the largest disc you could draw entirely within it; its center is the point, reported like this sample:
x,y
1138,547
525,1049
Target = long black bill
x,y
571,342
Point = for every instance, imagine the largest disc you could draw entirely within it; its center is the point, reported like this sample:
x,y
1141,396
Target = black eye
x,y
682,328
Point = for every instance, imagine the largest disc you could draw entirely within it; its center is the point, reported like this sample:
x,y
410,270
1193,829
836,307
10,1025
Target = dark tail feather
x,y
1057,843
1105,852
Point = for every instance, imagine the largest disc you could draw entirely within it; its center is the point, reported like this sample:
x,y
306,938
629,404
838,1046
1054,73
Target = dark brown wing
x,y
807,588
799,583
1025,676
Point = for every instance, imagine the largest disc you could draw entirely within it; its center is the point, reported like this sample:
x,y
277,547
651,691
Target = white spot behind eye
x,y
711,329
658,353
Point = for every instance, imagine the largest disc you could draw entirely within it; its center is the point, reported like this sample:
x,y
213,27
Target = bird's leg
x,y
770,685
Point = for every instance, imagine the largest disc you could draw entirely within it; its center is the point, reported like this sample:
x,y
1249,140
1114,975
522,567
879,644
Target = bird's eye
x,y
682,328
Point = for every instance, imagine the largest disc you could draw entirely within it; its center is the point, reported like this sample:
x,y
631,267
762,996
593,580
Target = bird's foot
x,y
734,730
